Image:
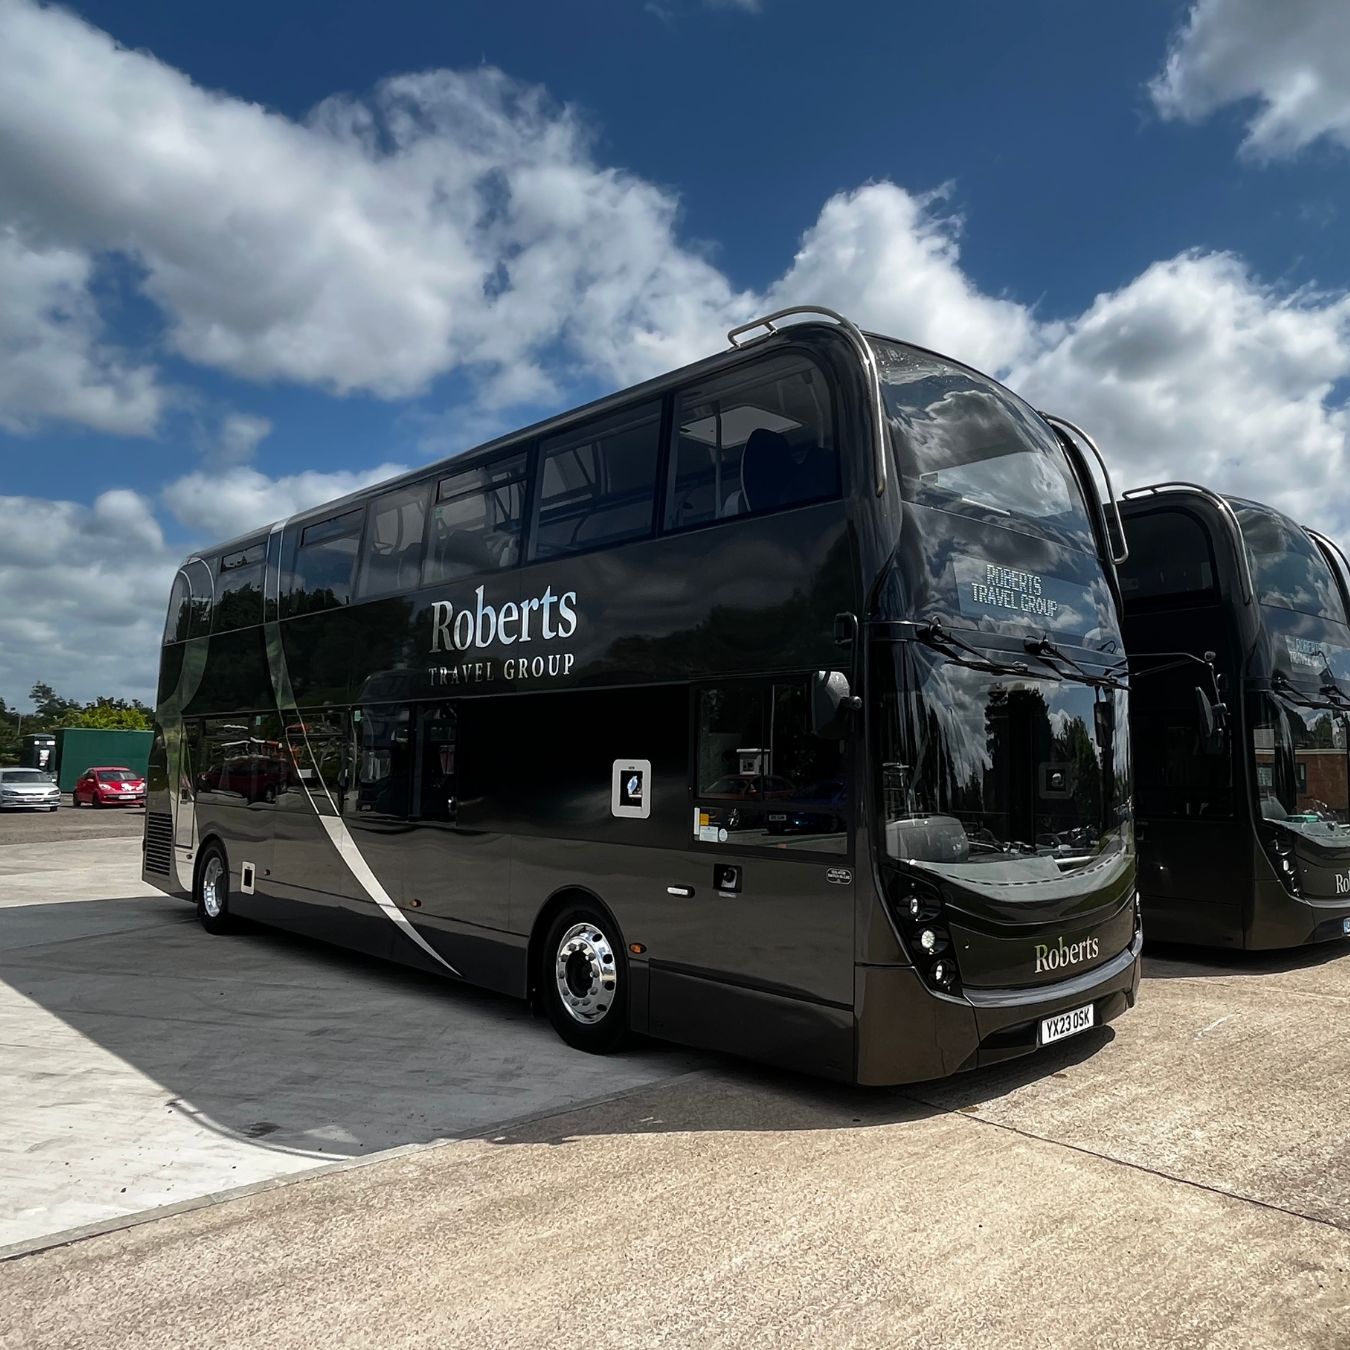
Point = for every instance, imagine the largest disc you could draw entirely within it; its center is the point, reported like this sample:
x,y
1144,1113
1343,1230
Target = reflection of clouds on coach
x,y
508,623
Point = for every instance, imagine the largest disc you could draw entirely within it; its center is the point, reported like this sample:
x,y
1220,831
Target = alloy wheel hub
x,y
586,973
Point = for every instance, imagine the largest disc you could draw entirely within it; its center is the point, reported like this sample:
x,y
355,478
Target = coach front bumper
x,y
906,1033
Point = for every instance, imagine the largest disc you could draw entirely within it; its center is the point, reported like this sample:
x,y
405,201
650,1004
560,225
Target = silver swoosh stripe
x,y
370,883
334,826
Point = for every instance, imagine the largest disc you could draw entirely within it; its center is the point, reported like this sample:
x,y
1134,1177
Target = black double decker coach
x,y
774,705
1236,623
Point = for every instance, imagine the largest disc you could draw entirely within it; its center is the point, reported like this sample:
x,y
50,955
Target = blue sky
x,y
252,256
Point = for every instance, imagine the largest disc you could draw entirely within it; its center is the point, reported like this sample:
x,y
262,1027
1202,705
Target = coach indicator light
x,y
800,661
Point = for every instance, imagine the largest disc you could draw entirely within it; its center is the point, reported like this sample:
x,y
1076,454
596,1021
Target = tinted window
x,y
1173,776
384,762
597,485
189,603
180,609
325,562
1169,555
1287,568
239,762
239,588
394,534
476,522
988,769
964,444
758,440
762,776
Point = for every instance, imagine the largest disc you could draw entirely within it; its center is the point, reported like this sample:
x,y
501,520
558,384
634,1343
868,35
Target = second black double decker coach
x,y
774,705
1244,816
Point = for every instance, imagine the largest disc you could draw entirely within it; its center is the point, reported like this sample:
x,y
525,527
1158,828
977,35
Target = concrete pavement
x,y
727,1209
1179,1179
144,1063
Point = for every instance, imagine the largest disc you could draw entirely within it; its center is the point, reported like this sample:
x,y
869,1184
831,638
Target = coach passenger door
x,y
760,908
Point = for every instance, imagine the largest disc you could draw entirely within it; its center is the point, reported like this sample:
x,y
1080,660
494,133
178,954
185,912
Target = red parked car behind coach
x,y
109,787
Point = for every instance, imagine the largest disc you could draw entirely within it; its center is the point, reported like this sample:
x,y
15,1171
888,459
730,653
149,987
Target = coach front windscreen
x,y
999,679
966,446
1300,725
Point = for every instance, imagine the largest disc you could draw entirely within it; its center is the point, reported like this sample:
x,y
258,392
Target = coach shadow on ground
x,y
302,1048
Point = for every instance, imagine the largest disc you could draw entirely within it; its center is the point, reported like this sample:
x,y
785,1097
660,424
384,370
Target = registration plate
x,y
1065,1024
780,817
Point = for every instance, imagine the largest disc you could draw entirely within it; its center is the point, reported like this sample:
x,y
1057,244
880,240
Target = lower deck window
x,y
762,777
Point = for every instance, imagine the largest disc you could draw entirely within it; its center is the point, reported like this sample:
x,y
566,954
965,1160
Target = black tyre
x,y
212,890
584,980
50,809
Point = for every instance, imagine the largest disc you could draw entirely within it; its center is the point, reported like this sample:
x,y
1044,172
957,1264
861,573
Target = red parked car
x,y
109,787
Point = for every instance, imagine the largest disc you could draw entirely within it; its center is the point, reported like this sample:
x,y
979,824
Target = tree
x,y
49,704
106,714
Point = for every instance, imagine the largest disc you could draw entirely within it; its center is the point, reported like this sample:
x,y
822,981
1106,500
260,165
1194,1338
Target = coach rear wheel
x,y
585,981
213,891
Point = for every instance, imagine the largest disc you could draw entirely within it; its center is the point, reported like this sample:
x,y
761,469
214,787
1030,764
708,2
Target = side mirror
x,y
831,704
1212,719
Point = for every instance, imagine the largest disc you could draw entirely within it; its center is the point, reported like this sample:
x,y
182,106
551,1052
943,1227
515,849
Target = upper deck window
x,y
189,603
239,588
1169,556
1287,569
476,522
392,557
966,445
325,562
758,439
597,485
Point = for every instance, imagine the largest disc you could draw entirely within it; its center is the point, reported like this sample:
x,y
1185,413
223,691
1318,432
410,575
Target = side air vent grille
x,y
158,842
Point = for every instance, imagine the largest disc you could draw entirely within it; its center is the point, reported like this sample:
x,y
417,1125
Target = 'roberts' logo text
x,y
1343,883
1011,588
481,626
542,618
1065,954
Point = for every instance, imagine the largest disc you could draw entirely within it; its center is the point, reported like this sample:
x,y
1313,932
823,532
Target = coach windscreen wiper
x,y
1048,651
963,653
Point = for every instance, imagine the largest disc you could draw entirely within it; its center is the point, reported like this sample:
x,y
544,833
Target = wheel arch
x,y
203,846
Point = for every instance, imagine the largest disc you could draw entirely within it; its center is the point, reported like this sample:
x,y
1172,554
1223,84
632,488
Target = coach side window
x,y
759,439
476,522
325,562
762,777
190,602
239,588
1169,555
392,557
598,484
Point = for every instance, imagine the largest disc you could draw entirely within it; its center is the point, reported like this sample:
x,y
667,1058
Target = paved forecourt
x,y
144,1063
1181,1178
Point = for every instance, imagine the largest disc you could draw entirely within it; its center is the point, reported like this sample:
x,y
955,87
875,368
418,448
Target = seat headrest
x,y
763,463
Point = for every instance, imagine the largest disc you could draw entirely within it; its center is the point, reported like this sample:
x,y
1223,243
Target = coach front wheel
x,y
584,980
213,891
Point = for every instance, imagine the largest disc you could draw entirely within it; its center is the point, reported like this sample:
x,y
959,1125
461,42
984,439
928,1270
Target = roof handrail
x,y
1225,509
865,355
1072,429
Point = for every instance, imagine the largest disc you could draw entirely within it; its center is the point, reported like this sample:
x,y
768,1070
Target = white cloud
x,y
1196,370
54,363
449,219
83,590
216,506
1291,57
239,436
889,260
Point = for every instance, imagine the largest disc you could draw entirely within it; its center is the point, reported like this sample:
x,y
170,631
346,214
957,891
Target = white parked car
x,y
28,790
